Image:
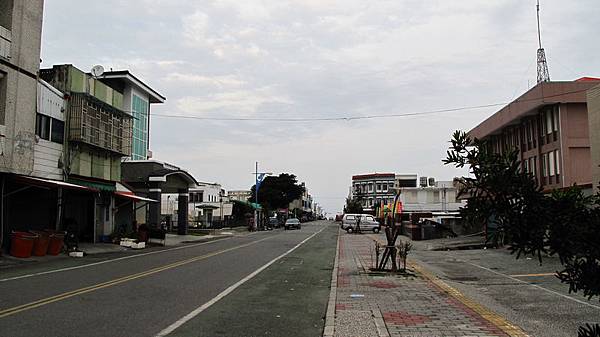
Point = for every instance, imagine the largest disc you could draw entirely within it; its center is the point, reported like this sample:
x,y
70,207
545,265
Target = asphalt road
x,y
523,291
144,295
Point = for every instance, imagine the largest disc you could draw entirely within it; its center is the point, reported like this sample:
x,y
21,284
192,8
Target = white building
x,y
208,205
440,197
48,152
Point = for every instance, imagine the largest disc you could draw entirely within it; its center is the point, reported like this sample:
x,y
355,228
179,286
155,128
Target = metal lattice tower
x,y
543,75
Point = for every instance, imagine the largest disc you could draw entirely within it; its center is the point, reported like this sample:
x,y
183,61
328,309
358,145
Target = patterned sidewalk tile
x,y
410,306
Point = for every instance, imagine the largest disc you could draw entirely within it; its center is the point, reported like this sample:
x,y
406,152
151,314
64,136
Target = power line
x,y
352,118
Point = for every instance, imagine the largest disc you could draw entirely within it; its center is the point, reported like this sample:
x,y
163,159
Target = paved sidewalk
x,y
376,304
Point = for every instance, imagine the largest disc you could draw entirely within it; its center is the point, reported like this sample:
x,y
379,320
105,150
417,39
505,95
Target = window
x,y
378,187
42,126
557,156
549,126
139,108
526,166
545,165
385,187
533,166
370,187
551,161
57,133
2,96
555,113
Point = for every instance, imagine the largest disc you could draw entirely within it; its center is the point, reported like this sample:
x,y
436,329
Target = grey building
x,y
373,189
20,39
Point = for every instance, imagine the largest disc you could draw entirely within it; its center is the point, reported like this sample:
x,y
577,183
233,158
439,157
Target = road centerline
x,y
102,285
87,265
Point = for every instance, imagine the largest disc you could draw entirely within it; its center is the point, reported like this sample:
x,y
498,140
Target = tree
x,y
353,206
277,191
565,223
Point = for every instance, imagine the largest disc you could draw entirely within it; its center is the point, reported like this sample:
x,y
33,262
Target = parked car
x,y
292,223
367,223
274,222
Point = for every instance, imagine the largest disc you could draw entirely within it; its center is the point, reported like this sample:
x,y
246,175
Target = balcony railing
x,y
99,124
5,40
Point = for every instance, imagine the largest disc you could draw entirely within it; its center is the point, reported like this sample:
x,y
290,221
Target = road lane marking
x,y
124,258
533,275
80,291
229,290
535,285
110,260
329,329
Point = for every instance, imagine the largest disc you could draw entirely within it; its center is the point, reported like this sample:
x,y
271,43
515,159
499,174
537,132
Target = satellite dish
x,y
97,70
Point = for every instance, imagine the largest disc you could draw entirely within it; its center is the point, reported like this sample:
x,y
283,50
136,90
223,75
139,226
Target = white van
x,y
367,223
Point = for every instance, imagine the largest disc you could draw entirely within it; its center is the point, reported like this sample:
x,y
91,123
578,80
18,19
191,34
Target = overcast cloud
x,y
319,59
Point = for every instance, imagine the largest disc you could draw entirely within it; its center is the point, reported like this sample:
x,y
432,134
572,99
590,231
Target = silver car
x,y
292,223
367,223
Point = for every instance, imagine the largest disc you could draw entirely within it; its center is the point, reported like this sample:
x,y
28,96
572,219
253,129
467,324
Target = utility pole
x,y
258,178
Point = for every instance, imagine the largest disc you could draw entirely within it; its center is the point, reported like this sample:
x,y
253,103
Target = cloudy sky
x,y
307,59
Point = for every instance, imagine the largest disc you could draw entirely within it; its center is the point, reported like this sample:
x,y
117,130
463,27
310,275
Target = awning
x,y
207,207
123,191
251,204
97,185
53,183
134,197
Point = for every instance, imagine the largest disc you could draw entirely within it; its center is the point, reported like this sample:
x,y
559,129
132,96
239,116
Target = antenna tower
x,y
542,66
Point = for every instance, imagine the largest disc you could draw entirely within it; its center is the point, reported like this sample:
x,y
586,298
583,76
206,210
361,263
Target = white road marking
x,y
535,285
108,261
227,291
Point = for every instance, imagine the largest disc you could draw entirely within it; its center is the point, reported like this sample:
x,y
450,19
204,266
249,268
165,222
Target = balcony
x,y
5,38
99,124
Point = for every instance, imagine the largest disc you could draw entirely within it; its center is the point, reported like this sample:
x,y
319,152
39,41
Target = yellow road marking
x,y
533,275
492,317
80,291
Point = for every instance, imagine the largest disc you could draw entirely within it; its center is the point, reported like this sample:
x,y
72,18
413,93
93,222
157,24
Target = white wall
x,y
47,154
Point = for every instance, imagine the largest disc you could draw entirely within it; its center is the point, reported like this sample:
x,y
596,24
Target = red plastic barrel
x,y
55,245
40,245
21,244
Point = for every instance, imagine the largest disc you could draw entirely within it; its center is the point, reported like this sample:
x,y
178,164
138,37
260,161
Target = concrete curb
x,y
329,329
382,330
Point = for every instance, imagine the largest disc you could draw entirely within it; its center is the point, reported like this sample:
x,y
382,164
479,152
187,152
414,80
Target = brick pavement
x,y
378,304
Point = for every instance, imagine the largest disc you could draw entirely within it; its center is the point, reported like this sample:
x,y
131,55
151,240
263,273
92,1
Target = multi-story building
x,y
208,205
103,116
98,135
50,133
593,102
137,98
425,197
439,197
374,189
549,126
20,40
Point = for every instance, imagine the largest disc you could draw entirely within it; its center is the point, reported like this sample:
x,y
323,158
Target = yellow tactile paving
x,y
495,319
